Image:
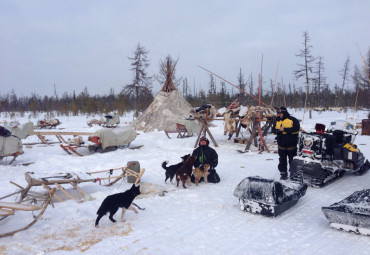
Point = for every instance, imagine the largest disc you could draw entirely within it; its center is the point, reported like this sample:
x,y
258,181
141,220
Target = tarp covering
x,y
269,191
352,211
112,119
268,197
164,112
116,137
10,145
22,131
192,126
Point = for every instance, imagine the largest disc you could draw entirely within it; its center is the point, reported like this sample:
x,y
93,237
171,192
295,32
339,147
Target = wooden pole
x,y
235,86
282,84
273,92
259,112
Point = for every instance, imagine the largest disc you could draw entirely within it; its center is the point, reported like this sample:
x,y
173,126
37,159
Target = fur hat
x,y
283,109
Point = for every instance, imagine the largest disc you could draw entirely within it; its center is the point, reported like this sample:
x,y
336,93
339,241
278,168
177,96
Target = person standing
x,y
206,155
287,130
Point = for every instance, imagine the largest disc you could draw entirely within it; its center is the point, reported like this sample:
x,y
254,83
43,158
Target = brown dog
x,y
199,173
184,172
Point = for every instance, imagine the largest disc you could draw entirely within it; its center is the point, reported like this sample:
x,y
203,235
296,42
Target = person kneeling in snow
x,y
206,155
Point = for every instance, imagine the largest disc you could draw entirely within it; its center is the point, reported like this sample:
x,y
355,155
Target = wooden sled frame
x,y
10,209
67,179
181,131
58,135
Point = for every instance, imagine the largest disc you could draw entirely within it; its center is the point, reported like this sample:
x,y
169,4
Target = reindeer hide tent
x,y
164,112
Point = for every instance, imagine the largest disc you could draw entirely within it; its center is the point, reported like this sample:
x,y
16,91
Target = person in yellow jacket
x,y
287,130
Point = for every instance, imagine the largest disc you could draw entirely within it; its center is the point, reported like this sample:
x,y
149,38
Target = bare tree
x,y
361,79
167,72
140,86
241,85
319,81
305,68
212,89
185,88
344,74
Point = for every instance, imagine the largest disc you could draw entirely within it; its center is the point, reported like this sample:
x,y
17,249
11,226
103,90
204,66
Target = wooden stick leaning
x,y
46,203
255,98
139,176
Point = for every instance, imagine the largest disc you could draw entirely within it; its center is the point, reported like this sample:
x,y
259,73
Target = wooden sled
x,y
48,124
73,179
10,209
181,131
14,155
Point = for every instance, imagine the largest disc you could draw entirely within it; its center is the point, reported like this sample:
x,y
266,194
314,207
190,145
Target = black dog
x,y
171,170
120,200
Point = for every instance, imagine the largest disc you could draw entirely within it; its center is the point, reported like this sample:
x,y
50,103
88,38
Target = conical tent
x,y
167,107
164,112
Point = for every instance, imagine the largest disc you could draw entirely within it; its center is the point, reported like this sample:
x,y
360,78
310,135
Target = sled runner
x,y
27,203
351,214
268,197
323,157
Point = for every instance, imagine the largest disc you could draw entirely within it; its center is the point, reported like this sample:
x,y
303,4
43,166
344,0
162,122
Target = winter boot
x,y
283,175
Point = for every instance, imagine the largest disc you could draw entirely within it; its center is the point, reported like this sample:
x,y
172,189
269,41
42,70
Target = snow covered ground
x,y
198,220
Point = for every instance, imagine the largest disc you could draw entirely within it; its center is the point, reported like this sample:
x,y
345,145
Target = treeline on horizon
x,y
84,103
138,95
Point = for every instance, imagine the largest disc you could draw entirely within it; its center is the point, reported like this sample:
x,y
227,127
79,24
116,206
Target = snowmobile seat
x,y
341,137
268,197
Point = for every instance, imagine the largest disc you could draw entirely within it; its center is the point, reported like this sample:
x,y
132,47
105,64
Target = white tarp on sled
x,y
116,137
10,145
22,131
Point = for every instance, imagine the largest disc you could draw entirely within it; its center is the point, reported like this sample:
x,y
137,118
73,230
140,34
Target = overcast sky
x,y
75,44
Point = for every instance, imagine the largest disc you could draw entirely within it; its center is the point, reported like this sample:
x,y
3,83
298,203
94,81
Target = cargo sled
x,y
351,214
48,123
110,120
268,197
103,140
323,157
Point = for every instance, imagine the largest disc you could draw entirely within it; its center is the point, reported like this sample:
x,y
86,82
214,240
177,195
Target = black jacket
x,y
4,132
205,155
289,137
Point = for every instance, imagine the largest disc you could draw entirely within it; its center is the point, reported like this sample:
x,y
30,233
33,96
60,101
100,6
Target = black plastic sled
x,y
351,214
268,197
323,157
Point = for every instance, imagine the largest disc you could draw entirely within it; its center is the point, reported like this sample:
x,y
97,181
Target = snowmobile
x,y
324,156
351,214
